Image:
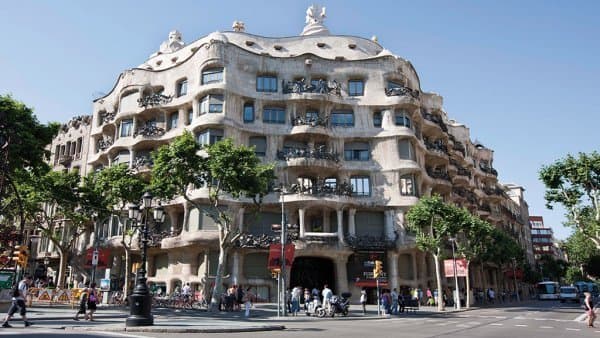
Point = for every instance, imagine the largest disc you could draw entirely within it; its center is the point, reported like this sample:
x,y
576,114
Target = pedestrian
x,y
491,295
239,295
327,294
429,296
394,295
386,301
248,299
589,308
296,291
363,300
19,293
83,298
306,299
92,301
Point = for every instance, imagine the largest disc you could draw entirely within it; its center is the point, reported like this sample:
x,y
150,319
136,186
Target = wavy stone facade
x,y
348,126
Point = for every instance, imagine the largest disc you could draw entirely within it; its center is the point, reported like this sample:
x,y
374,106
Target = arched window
x,y
212,75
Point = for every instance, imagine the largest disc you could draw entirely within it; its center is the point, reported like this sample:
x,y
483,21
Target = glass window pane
x,y
260,144
248,112
355,87
212,75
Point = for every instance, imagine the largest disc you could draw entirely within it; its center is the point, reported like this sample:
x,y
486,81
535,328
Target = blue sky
x,y
522,75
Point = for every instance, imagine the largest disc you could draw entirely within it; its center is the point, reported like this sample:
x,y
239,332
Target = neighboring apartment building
x,y
346,123
542,238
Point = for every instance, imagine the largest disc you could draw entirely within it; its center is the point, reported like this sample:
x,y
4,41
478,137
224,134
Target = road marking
x,y
473,323
580,317
570,329
496,324
521,325
118,334
546,327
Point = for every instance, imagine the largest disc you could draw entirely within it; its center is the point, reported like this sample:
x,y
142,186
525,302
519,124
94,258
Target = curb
x,y
159,329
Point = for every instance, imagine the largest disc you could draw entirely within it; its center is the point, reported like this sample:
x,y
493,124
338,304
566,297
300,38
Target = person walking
x,y
92,301
363,300
296,294
394,295
83,298
589,308
327,294
19,293
248,298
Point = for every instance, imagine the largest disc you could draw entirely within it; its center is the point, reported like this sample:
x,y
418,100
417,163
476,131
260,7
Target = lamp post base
x,y
140,314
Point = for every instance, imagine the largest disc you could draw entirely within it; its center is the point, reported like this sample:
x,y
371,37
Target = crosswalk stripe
x,y
546,327
496,324
570,329
521,325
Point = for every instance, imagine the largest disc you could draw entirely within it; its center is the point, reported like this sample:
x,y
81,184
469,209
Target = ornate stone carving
x,y
320,87
321,153
402,91
173,44
150,131
154,99
105,143
107,117
238,26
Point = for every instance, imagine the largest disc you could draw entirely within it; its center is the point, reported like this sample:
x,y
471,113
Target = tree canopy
x,y
574,182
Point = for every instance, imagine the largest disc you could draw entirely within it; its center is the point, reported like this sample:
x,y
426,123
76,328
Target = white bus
x,y
548,290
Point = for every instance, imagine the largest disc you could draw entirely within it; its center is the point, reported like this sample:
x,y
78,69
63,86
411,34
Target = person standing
x,y
248,299
589,308
394,295
92,300
363,300
18,302
327,294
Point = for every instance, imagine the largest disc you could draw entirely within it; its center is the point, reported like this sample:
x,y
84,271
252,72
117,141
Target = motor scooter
x,y
313,306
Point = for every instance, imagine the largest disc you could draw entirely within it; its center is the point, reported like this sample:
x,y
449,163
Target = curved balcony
x,y
402,91
488,170
484,210
494,193
434,119
311,125
154,100
459,148
149,131
318,87
107,117
437,147
439,176
262,241
308,157
321,189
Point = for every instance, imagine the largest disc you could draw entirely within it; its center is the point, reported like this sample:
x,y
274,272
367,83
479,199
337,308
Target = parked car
x,y
568,293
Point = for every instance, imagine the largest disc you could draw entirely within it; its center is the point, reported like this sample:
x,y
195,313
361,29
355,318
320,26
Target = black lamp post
x,y
140,299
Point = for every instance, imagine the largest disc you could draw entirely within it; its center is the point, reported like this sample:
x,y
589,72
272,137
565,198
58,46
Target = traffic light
x,y
21,255
378,269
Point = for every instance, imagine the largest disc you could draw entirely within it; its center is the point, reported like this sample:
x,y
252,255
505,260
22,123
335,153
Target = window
x,y
126,128
402,118
305,184
407,185
260,145
393,85
342,118
212,75
377,119
182,87
317,82
356,88
274,115
248,112
190,115
330,183
360,185
356,151
209,136
211,104
406,150
173,119
266,84
312,115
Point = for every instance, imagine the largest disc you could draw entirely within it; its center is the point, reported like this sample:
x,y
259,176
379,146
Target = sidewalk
x,y
263,318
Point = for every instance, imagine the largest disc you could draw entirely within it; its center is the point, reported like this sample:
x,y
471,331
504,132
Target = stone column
x,y
341,275
326,221
393,268
131,158
351,222
389,224
240,216
301,221
186,217
235,268
340,229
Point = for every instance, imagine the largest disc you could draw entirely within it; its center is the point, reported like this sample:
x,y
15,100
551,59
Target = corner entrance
x,y
313,272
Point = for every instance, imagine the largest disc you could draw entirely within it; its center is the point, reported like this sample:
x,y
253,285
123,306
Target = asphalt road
x,y
539,319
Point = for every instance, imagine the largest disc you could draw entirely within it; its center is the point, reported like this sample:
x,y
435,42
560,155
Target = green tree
x,y
22,146
472,240
573,274
52,206
592,266
433,222
110,191
553,268
574,182
579,249
226,170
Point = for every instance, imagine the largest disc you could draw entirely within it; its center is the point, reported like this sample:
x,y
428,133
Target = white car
x,y
568,293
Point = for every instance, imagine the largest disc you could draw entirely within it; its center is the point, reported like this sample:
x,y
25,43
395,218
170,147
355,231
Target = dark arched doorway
x,y
311,272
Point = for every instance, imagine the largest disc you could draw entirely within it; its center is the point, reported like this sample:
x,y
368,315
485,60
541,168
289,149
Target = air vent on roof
x,y
278,47
174,59
351,45
249,43
321,44
158,62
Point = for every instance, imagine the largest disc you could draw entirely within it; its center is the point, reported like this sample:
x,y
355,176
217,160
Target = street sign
x,y
95,257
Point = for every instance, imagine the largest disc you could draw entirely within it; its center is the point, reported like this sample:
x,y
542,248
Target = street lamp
x,y
281,306
140,299
456,296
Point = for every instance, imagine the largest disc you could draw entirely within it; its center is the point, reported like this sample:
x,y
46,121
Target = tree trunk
x,y
217,288
483,288
438,279
62,267
468,285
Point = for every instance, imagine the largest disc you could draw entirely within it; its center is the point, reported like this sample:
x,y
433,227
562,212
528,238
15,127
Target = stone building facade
x,y
351,133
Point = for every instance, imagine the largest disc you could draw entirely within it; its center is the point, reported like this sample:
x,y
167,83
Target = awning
x,y
370,283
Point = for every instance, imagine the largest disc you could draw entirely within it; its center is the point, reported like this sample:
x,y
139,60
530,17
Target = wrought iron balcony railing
x,y
149,131
320,153
107,117
320,188
438,174
65,159
262,241
105,143
142,161
370,242
153,100
458,146
488,170
435,119
437,145
310,121
319,87
402,91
